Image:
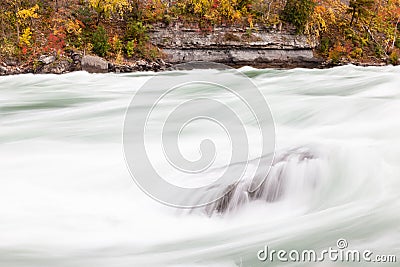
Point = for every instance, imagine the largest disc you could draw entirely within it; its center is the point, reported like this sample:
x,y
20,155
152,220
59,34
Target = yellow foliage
x,y
324,16
237,15
7,47
119,58
73,27
331,16
317,24
24,14
250,20
226,8
116,43
26,37
356,53
89,47
201,7
108,7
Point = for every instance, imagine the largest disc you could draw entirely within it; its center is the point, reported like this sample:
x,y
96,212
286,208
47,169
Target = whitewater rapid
x,y
67,198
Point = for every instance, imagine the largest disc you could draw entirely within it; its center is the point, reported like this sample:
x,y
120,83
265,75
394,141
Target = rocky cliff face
x,y
228,45
235,46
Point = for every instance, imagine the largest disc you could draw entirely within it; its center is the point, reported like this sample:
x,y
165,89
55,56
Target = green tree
x,y
136,30
298,13
100,42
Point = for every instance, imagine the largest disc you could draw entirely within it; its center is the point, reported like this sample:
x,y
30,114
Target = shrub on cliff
x,y
136,30
136,37
298,13
394,57
100,42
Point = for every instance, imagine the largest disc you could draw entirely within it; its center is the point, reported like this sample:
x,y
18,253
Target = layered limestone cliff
x,y
235,46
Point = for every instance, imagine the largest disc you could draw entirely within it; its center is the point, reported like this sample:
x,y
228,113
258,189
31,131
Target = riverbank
x,y
49,64
76,61
55,36
258,47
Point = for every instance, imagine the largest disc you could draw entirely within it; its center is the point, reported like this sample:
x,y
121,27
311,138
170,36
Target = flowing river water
x,y
67,197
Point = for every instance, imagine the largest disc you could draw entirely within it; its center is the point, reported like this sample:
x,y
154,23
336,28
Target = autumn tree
x,y
359,9
25,17
106,8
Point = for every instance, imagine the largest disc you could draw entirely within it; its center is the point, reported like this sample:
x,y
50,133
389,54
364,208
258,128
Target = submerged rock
x,y
297,165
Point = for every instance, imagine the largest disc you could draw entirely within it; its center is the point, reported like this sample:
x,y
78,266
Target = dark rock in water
x,y
223,204
93,64
273,187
